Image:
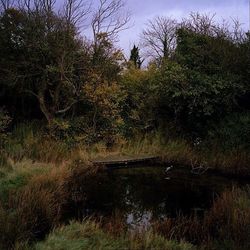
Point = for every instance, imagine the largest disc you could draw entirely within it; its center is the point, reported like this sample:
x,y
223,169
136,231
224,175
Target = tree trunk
x,y
49,117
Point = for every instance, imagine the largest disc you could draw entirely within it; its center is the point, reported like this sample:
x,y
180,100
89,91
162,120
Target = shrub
x,y
232,133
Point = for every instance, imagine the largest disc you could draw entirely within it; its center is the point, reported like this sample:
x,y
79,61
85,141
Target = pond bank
x,y
126,161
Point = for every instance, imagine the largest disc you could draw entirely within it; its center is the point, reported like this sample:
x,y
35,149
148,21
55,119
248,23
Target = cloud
x,y
142,10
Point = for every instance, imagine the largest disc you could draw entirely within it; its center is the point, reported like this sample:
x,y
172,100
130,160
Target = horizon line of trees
x,y
198,71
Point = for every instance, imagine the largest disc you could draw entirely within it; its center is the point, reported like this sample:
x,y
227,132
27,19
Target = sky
x,y
143,10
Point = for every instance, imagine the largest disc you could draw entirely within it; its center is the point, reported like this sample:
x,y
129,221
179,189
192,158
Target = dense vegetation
x,y
66,97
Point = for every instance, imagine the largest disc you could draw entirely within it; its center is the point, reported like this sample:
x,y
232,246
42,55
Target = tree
x,y
244,70
159,38
141,99
104,98
203,24
209,86
109,18
6,4
76,12
43,53
135,57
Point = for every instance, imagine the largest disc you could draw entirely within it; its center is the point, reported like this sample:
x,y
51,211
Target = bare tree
x,y
110,18
201,23
6,4
159,38
238,35
76,12
205,24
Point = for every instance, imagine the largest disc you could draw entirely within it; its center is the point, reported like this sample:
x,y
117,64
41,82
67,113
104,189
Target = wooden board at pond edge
x,y
124,160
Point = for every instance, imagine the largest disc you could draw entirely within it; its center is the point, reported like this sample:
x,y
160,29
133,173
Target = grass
x,y
178,151
229,219
18,175
32,208
29,141
174,150
38,197
89,235
225,226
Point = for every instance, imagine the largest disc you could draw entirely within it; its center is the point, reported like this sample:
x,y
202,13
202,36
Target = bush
x,y
139,115
233,132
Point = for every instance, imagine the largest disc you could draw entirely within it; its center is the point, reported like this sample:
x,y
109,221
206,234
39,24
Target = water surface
x,y
140,195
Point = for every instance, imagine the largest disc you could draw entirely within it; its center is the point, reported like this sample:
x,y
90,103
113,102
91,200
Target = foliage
x,y
135,58
52,80
231,133
85,94
106,59
139,105
212,86
105,98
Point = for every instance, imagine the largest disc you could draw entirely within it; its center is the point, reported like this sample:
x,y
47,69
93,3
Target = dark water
x,y
144,194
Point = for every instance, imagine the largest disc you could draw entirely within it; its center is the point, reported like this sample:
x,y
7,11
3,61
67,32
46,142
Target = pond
x,y
140,195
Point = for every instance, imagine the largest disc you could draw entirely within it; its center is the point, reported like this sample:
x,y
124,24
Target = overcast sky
x,y
142,10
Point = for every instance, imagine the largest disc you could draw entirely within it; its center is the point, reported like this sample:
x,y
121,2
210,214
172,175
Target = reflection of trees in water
x,y
140,193
139,197
136,201
139,220
135,214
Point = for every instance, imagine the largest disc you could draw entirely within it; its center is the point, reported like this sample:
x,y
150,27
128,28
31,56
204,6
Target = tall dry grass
x,y
225,226
29,141
180,151
44,202
34,209
229,219
89,235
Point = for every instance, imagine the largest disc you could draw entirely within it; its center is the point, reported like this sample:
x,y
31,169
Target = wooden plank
x,y
124,160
